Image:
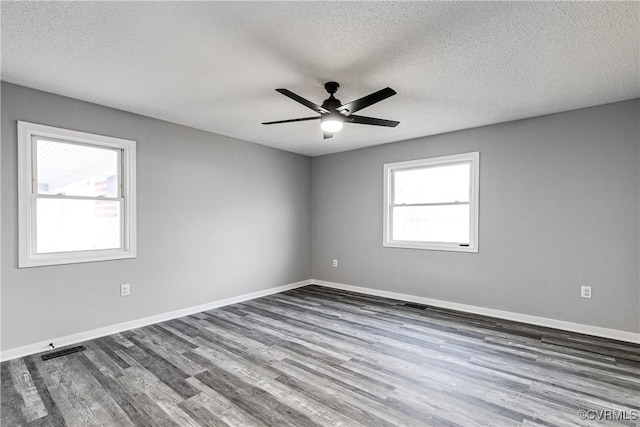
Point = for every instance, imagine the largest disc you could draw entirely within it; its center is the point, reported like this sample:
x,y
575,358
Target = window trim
x,y
27,196
388,174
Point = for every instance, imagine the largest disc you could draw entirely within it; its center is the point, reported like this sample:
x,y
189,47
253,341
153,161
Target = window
x,y
432,203
76,196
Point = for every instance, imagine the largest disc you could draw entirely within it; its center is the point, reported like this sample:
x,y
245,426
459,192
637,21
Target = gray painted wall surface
x,y
559,208
217,218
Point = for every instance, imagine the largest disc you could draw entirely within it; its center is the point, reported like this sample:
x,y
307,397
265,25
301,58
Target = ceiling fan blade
x,y
370,121
366,101
301,100
327,135
291,120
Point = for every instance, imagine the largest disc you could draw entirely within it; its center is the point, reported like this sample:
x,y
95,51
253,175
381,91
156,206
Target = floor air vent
x,y
418,306
63,352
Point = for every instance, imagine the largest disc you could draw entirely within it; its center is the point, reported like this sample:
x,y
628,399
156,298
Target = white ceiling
x,y
215,65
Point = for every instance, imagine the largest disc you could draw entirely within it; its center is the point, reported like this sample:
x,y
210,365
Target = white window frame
x,y
473,159
27,196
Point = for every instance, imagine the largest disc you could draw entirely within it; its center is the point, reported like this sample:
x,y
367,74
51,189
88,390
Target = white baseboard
x,y
500,314
30,349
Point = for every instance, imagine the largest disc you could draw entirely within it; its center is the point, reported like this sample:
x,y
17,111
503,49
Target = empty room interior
x,y
320,213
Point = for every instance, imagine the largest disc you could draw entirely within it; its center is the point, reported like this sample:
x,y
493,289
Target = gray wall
x,y
559,208
217,217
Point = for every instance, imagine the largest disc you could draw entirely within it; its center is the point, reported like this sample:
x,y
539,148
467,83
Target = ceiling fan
x,y
333,114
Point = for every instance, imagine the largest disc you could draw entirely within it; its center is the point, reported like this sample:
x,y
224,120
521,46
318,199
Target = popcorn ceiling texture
x,y
215,65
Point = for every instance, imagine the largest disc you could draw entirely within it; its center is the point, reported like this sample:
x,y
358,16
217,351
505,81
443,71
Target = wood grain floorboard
x,y
314,356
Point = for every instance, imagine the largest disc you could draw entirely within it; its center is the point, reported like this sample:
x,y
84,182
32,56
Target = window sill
x,y
431,246
73,258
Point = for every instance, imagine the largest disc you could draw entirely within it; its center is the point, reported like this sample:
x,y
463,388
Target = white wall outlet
x,y
125,290
335,263
585,291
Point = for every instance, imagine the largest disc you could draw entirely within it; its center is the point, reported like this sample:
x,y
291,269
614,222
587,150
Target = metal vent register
x,y
63,352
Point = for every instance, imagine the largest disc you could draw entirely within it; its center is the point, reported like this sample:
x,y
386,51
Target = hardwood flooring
x,y
320,357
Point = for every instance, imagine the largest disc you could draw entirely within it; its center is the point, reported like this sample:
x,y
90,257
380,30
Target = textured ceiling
x,y
215,65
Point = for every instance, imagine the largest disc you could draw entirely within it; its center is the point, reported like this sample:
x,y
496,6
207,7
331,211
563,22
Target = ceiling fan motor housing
x,y
331,103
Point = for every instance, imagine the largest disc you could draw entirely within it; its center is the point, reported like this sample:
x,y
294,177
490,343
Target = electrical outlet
x,y
125,290
335,263
585,291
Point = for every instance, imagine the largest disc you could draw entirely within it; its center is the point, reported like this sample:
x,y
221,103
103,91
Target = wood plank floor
x,y
320,357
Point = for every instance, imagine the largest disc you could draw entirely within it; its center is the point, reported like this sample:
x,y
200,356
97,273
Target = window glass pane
x,y
76,225
76,170
436,184
447,224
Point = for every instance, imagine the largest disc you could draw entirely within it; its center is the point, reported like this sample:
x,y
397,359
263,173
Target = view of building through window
x,y
78,206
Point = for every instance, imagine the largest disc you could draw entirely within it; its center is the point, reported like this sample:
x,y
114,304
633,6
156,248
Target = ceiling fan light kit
x,y
333,114
331,122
